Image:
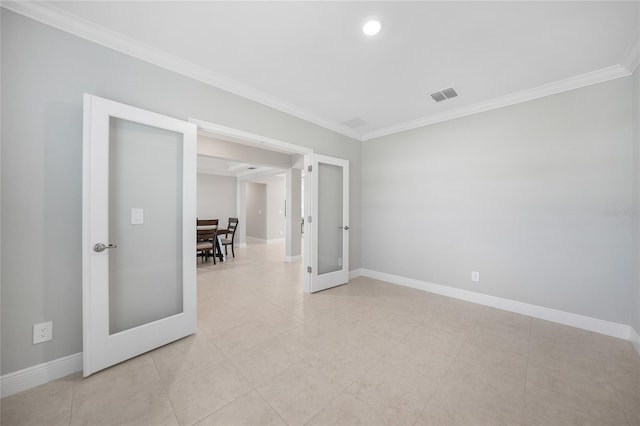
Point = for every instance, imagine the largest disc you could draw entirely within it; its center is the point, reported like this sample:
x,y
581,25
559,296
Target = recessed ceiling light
x,y
372,27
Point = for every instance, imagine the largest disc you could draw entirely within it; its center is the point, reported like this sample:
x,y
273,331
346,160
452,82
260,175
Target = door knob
x,y
346,228
100,247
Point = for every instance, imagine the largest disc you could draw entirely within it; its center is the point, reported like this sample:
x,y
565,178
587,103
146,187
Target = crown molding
x,y
632,58
582,80
62,20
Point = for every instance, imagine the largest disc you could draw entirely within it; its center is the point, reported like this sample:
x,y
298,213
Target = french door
x,y
329,222
138,242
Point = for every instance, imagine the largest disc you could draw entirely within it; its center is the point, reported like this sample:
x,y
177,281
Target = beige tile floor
x,y
367,353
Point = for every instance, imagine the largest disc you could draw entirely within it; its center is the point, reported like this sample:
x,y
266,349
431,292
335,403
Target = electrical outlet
x,y
42,332
475,276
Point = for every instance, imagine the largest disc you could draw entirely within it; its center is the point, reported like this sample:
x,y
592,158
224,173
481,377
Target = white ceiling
x,y
311,58
223,167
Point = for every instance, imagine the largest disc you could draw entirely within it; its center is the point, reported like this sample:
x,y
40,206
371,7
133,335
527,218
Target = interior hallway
x,y
365,353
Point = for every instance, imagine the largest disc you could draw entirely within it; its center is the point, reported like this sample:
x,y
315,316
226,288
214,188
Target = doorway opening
x,y
260,181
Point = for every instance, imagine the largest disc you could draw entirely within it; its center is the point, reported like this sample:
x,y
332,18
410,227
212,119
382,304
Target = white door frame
x,y
264,142
100,348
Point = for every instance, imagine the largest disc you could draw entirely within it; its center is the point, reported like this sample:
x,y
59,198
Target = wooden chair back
x,y
206,229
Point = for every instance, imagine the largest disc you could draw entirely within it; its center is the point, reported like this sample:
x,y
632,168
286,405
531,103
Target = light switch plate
x,y
137,216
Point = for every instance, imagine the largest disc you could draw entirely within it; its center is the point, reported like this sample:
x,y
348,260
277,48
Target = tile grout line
x,y
615,391
269,404
73,396
526,375
225,405
164,388
347,387
255,388
454,358
352,382
230,359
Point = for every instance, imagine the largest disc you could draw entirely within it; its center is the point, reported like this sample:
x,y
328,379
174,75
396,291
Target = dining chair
x,y
231,229
203,248
207,232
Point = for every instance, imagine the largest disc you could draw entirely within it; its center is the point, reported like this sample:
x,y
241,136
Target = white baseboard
x,y
292,259
39,374
241,245
355,273
609,328
635,339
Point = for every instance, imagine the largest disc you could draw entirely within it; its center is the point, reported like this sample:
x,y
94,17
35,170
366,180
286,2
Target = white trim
x,y
40,374
247,138
582,80
632,58
291,259
62,20
635,339
307,237
621,331
355,273
241,245
264,241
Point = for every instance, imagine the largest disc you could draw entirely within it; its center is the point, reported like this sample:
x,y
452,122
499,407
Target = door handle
x,y
100,247
346,227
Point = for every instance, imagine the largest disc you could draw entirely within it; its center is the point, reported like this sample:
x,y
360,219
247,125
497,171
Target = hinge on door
x,y
309,168
309,219
309,269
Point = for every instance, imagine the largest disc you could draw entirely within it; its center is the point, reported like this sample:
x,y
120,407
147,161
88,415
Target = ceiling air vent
x,y
449,93
444,94
438,97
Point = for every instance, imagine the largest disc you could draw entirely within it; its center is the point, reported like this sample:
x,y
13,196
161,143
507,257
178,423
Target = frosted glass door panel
x,y
330,217
145,222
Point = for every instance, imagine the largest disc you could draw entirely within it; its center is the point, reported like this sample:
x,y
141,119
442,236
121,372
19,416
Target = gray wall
x,y
256,204
520,194
636,200
293,230
276,194
44,74
265,208
217,197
